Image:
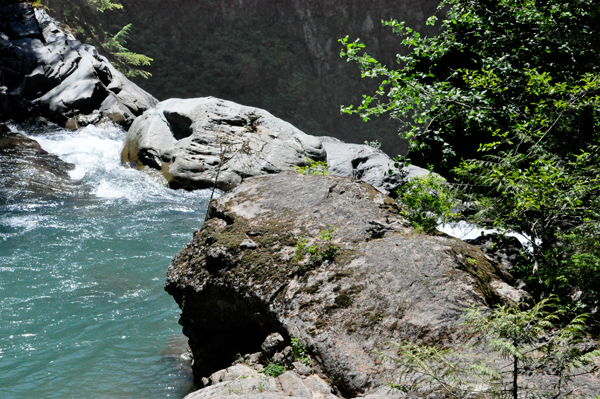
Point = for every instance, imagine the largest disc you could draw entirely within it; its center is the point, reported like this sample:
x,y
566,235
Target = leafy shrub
x,y
313,168
274,369
427,201
300,352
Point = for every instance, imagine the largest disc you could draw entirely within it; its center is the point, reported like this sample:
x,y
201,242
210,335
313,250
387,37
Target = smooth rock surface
x,y
188,139
385,283
45,71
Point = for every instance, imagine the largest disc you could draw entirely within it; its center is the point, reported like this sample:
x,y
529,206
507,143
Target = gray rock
x,y
368,164
384,284
248,244
301,368
48,73
28,171
187,139
244,382
413,171
232,373
292,385
272,344
363,162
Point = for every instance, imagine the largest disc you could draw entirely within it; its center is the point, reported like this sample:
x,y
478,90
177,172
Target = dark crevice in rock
x,y
149,157
180,125
104,75
222,327
235,121
213,212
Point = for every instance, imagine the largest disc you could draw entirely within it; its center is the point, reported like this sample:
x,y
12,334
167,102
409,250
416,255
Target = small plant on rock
x,y
323,250
300,352
375,144
274,370
313,168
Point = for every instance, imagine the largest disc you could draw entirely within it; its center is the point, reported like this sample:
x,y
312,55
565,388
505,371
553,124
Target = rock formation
x,y
44,71
329,261
28,171
193,141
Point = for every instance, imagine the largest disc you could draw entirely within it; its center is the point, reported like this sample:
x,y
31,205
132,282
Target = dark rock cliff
x,y
282,56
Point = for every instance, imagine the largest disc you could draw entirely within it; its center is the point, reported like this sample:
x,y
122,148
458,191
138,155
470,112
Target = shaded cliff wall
x,y
279,55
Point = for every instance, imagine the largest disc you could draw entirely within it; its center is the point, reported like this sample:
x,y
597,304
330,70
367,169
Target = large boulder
x,y
195,142
45,71
28,171
239,279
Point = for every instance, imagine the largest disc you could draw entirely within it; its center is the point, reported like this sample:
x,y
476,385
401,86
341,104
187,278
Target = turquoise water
x,y
83,312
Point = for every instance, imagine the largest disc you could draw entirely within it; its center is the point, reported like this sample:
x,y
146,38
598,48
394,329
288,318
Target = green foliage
x,y
313,168
116,45
322,250
506,97
299,351
496,70
513,349
274,369
427,202
82,18
552,200
103,5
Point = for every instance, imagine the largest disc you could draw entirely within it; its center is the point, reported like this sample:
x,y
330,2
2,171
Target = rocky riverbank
x,y
242,278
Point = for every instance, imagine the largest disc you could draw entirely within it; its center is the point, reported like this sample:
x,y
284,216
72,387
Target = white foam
x,y
26,223
469,231
91,148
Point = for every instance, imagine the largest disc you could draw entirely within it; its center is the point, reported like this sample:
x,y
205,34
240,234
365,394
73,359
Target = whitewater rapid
x,y
83,312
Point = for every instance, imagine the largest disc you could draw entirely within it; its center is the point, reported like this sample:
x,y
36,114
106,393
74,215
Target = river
x,y
83,312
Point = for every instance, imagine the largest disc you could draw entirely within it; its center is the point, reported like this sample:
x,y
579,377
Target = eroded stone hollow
x,y
221,326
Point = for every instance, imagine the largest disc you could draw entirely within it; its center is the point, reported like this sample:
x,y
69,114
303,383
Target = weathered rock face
x,y
27,171
188,139
238,280
282,56
45,71
244,381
